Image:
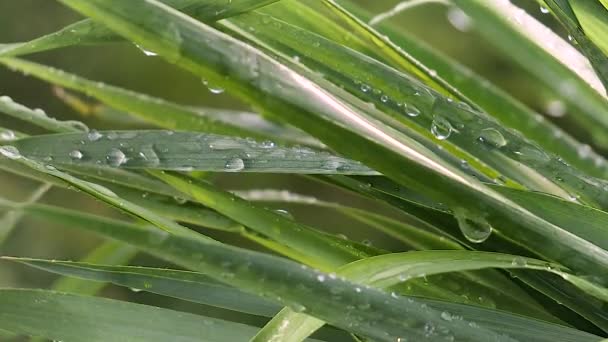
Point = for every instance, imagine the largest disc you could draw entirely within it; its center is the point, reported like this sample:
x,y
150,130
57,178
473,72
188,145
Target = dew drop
x,y
10,152
384,98
411,110
365,88
492,137
474,229
116,157
321,278
76,155
446,316
519,262
555,108
544,10
460,20
7,135
441,128
93,135
234,165
268,144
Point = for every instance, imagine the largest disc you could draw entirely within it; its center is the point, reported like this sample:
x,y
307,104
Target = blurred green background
x,y
125,65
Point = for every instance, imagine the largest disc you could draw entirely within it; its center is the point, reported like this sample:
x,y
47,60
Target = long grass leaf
x,y
183,151
276,278
44,313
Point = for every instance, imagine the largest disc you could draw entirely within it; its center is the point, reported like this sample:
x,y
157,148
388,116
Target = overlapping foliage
x,y
503,221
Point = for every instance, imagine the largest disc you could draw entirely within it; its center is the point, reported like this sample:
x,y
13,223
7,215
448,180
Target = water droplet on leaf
x,y
76,155
474,229
234,165
116,157
10,152
492,137
441,128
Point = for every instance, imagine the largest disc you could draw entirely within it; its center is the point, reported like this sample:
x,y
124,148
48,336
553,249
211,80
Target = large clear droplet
x,y
7,135
441,128
10,152
76,155
116,157
492,137
234,165
474,229
93,135
411,110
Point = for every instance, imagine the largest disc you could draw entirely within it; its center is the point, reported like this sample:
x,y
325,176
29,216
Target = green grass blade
x,y
573,90
562,10
109,253
87,32
473,134
9,221
414,234
349,130
594,21
45,313
395,54
420,235
101,193
154,110
185,285
497,102
275,278
388,270
321,251
183,151
38,117
9,134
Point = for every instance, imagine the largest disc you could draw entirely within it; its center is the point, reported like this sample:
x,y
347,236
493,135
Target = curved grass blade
x,y
9,221
471,136
498,103
109,253
492,24
337,250
183,151
191,286
45,313
594,20
101,193
38,117
319,108
567,214
395,54
157,111
199,288
414,234
388,270
138,189
87,32
566,16
276,278
554,287
422,235
322,251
